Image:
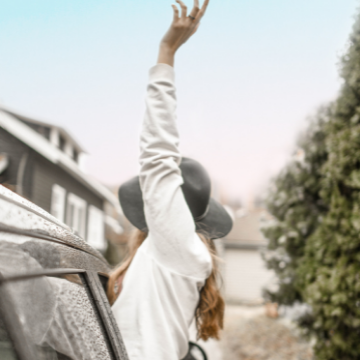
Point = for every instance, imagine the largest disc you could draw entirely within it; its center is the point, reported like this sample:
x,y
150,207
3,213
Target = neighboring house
x,y
244,271
43,163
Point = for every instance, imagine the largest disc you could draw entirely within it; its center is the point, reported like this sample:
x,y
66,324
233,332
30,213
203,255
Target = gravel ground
x,y
250,335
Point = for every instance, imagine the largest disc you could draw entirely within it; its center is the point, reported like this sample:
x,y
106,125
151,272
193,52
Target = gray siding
x,y
40,174
46,174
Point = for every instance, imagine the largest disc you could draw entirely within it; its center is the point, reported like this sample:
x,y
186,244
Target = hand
x,y
181,29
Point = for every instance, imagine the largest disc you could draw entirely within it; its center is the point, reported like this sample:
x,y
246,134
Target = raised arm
x,y
171,226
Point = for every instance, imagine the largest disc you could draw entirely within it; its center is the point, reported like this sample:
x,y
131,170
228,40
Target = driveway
x,y
250,335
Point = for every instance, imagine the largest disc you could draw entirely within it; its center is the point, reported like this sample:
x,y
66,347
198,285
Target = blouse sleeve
x,y
172,239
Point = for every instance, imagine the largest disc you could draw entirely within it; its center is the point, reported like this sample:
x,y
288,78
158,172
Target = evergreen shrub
x,y
296,204
314,244
329,273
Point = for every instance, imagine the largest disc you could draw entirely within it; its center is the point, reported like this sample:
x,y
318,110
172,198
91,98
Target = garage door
x,y
245,275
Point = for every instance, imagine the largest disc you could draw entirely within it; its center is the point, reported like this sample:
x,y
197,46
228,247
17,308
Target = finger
x,y
176,12
195,9
183,9
202,10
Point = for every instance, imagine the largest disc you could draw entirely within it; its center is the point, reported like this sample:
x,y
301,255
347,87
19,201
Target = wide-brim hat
x,y
209,215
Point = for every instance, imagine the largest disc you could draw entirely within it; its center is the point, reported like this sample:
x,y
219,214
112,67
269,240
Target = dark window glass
x,y
61,143
59,318
44,131
76,155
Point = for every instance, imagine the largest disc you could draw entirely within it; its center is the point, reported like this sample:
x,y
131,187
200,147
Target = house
x,y
44,163
244,270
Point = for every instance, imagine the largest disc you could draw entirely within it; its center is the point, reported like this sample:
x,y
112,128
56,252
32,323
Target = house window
x,y
58,202
62,143
96,231
76,156
76,214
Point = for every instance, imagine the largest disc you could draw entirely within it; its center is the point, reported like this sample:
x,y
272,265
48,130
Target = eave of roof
x,y
61,130
41,145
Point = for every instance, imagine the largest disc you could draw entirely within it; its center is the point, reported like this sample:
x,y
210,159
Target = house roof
x,y
61,130
246,231
11,123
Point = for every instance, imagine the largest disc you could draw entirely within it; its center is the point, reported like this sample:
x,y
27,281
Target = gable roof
x,y
61,130
11,123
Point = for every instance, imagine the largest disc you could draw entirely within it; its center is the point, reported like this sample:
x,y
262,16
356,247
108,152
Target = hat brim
x,y
216,224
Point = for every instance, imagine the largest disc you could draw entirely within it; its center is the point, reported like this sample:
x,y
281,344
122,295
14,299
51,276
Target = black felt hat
x,y
209,215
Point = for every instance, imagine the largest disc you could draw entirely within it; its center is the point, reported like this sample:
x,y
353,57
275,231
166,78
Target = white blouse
x,y
161,288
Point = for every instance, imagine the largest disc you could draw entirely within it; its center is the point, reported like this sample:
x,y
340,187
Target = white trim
x,y
28,136
58,195
54,136
82,161
95,229
61,131
37,142
76,214
20,173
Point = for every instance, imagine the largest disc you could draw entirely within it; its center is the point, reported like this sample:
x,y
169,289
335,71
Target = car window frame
x,y
98,298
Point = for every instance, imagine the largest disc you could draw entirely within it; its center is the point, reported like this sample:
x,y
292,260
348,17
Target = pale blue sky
x,y
246,81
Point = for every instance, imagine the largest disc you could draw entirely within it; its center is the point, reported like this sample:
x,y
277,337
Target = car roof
x,y
21,217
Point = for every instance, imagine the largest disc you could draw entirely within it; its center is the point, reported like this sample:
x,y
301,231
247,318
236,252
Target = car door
x,y
53,313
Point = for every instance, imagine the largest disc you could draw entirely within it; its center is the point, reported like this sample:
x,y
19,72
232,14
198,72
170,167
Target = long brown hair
x,y
209,313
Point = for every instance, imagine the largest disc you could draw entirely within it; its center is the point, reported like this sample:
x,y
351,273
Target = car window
x,y
6,345
59,318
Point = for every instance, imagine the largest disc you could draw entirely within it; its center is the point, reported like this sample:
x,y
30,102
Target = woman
x,y
169,277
